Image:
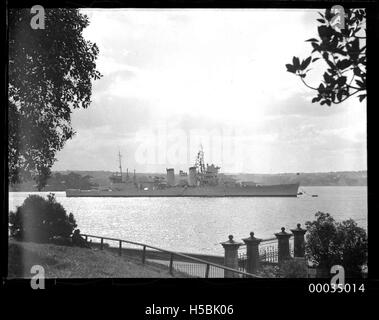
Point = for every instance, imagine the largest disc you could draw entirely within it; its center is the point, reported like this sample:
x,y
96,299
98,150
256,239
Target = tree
x,y
292,268
344,53
72,180
41,220
353,245
50,74
330,243
76,181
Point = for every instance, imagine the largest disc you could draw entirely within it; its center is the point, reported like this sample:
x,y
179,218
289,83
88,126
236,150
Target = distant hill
x,y
339,178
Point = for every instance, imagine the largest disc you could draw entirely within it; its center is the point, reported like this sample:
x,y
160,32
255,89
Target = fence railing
x,y
268,252
197,268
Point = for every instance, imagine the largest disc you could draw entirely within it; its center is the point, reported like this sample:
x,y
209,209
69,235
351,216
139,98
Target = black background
x,y
251,297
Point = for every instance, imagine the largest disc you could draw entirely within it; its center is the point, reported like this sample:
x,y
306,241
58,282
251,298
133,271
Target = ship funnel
x,y
192,176
171,177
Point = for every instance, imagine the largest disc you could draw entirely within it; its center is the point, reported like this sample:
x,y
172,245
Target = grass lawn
x,y
75,262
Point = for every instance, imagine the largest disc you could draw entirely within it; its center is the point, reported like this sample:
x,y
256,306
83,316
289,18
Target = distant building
x,y
183,173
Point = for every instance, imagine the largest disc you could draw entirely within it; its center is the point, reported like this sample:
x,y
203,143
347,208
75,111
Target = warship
x,y
202,180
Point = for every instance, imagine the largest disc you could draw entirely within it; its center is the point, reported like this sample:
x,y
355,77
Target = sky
x,y
176,79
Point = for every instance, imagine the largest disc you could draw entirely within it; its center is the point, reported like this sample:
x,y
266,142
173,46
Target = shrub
x,y
330,243
41,220
268,271
293,268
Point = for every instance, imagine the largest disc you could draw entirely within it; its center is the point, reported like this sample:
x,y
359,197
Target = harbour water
x,y
198,225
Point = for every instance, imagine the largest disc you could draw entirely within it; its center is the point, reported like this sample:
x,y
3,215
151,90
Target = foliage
x,y
330,243
343,51
268,271
41,220
50,74
293,268
71,181
353,246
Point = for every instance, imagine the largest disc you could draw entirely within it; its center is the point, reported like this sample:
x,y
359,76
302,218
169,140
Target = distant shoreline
x,y
101,178
35,190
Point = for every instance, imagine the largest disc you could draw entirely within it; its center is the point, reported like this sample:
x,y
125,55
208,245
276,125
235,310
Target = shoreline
x,y
301,186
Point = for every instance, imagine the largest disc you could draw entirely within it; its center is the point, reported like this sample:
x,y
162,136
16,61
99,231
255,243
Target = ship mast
x,y
119,160
200,165
200,161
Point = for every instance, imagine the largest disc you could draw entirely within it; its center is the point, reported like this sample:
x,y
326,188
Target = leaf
x,y
312,40
343,64
341,81
316,99
333,44
321,20
315,46
290,68
357,71
354,49
321,31
305,63
296,62
315,59
362,97
328,14
325,32
328,78
339,95
360,83
325,55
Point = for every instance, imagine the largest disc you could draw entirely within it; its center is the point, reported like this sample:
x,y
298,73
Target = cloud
x,y
122,114
300,104
219,72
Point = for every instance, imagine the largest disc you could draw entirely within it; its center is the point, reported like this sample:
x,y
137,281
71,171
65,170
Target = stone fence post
x,y
231,256
252,253
298,242
283,245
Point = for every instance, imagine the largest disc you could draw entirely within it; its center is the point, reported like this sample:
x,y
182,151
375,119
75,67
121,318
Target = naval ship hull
x,y
281,190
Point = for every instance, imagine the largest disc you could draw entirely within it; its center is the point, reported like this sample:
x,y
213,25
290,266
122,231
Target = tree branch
x,y
348,96
307,84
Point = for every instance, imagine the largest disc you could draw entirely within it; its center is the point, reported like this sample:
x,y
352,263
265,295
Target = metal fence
x,y
193,270
268,252
191,266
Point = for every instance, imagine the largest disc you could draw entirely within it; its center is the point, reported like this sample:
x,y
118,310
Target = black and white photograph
x,y
187,143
